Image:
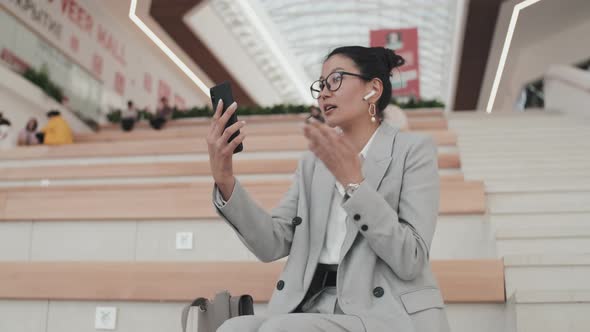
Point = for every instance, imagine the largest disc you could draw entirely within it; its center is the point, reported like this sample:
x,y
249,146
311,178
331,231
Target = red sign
x,y
405,43
74,43
77,14
14,61
147,82
119,83
97,65
179,102
163,90
111,44
82,18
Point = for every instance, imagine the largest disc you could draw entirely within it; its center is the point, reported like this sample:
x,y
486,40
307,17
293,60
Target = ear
x,y
377,86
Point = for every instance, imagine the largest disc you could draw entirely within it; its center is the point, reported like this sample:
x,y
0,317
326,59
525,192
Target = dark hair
x,y
373,62
35,124
52,113
129,103
3,120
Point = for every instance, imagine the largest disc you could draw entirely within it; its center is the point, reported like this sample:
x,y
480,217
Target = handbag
x,y
203,315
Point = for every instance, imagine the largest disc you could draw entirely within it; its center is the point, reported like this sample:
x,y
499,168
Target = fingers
x,y
325,140
317,142
218,110
219,123
215,118
231,146
320,133
229,131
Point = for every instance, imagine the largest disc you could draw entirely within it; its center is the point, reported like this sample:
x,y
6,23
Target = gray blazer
x,y
384,276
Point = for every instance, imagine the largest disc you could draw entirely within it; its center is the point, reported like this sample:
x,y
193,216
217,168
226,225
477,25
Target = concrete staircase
x,y
536,170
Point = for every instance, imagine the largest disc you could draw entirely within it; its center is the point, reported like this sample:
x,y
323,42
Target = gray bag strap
x,y
201,302
234,306
184,317
218,312
211,314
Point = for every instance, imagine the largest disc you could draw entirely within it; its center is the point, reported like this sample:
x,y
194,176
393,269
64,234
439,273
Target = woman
x,y
57,131
5,137
358,220
163,114
28,135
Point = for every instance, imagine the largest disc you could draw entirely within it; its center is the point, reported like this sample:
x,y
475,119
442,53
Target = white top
x,y
129,113
336,228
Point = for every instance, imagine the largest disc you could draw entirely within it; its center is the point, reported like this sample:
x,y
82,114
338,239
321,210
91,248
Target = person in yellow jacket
x,y
57,131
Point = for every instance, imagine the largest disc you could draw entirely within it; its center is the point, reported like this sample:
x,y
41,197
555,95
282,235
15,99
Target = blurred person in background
x,y
396,117
128,117
5,128
28,135
163,114
56,131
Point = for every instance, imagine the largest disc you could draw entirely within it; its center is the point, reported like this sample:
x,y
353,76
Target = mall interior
x,y
107,219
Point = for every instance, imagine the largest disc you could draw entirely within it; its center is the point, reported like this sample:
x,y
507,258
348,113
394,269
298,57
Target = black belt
x,y
325,276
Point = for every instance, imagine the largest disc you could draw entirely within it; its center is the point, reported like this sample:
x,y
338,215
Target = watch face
x,y
350,188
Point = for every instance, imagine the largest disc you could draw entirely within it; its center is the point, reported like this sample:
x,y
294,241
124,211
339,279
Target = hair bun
x,y
393,59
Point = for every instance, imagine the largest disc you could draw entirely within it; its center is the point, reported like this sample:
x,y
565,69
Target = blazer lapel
x,y
321,199
378,159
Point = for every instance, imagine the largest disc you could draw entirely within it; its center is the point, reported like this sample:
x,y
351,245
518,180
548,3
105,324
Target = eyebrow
x,y
335,69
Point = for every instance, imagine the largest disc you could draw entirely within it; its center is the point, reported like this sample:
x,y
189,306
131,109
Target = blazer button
x,y
280,285
296,221
378,292
357,217
364,228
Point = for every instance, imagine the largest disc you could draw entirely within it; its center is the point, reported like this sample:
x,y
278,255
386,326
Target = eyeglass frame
x,y
324,82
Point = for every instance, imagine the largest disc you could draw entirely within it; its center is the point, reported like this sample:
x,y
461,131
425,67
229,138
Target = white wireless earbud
x,y
369,95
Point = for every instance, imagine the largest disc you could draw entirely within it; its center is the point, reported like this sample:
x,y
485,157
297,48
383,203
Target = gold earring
x,y
372,112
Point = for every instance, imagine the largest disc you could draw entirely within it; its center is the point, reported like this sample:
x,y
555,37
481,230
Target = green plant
x,y
144,115
114,116
204,111
418,103
41,79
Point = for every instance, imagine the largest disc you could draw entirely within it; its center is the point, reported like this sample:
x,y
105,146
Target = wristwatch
x,y
351,188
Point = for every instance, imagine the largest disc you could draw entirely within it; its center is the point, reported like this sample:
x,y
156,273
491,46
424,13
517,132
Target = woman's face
x,y
344,106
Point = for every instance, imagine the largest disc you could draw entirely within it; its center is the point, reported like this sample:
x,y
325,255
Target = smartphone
x,y
223,92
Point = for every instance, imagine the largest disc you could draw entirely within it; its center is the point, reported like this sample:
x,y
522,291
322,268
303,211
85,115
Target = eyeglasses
x,y
332,82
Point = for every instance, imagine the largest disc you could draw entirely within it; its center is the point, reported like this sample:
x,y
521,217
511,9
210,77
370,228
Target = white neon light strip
x,y
185,69
249,11
505,49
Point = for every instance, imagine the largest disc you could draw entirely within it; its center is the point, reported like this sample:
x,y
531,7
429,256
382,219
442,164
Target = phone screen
x,y
223,92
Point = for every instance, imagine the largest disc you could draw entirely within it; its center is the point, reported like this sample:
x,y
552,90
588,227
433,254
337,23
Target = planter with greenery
x,y
205,111
41,79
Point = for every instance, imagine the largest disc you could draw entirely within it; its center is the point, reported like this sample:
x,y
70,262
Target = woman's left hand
x,y
336,151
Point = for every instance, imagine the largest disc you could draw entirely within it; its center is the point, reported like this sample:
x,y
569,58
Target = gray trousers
x,y
320,313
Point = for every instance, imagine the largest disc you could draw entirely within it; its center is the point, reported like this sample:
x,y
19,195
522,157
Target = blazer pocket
x,y
426,298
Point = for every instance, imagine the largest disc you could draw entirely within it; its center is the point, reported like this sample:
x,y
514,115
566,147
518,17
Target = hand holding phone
x,y
223,92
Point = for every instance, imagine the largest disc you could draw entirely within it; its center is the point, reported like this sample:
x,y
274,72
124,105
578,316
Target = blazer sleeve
x,y
402,238
267,236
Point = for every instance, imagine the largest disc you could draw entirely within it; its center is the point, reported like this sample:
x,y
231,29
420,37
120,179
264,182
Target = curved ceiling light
x,y
505,49
275,49
151,35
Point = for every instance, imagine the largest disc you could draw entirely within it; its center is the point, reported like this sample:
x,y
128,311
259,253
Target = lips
x,y
328,108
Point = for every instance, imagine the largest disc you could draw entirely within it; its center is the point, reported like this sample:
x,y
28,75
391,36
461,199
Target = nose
x,y
325,92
